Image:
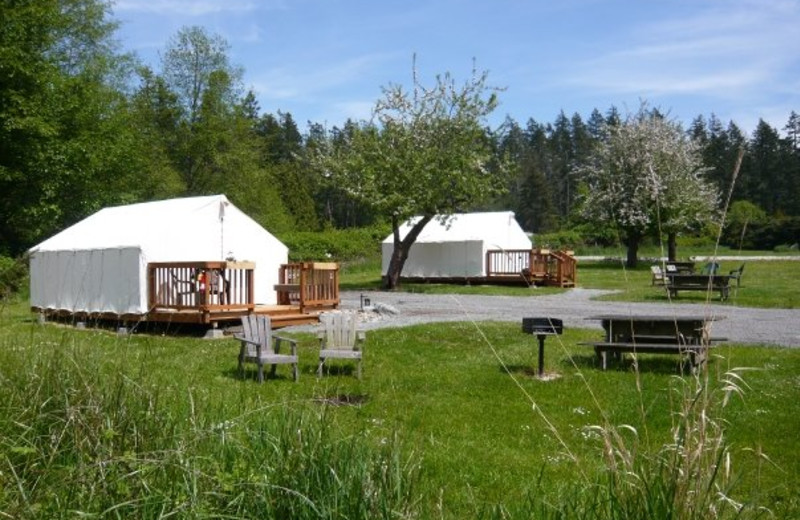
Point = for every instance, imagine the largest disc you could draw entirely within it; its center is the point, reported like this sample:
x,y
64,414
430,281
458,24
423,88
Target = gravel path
x,y
740,324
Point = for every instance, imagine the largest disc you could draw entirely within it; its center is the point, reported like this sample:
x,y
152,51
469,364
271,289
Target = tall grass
x,y
79,440
687,477
97,425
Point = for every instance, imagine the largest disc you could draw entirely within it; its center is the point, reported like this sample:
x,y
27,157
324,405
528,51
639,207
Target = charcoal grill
x,y
541,328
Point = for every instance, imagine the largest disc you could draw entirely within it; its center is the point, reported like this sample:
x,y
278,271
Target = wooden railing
x,y
565,267
202,286
309,285
507,262
554,267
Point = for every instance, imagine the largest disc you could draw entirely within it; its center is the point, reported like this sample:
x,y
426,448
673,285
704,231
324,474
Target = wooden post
x,y
151,287
303,295
251,288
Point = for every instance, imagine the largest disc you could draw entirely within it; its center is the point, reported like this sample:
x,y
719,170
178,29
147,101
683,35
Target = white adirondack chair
x,y
340,339
658,275
262,347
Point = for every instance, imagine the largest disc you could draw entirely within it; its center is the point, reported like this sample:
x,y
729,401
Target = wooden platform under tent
x,y
519,267
219,293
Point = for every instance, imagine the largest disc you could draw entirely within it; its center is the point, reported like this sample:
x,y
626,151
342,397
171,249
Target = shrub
x,y
696,241
771,234
566,239
338,245
13,276
741,215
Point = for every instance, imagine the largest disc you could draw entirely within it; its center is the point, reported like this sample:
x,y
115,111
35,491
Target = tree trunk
x,y
391,279
632,242
672,246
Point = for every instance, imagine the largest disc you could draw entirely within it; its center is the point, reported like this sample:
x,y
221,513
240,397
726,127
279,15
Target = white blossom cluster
x,y
647,175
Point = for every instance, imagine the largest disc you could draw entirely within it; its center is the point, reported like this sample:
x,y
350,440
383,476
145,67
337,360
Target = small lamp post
x,y
365,302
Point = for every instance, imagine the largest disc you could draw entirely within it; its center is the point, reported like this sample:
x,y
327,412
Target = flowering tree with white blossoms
x,y
647,176
426,154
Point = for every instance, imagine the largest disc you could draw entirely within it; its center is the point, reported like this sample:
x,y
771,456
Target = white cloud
x,y
737,49
290,83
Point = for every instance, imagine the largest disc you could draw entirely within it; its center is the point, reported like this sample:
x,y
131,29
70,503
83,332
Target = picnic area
x,y
448,417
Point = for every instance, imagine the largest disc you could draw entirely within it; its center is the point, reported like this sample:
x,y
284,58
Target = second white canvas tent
x,y
457,249
99,265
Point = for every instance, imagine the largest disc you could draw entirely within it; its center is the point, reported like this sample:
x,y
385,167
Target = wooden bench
x,y
655,344
695,353
687,336
698,282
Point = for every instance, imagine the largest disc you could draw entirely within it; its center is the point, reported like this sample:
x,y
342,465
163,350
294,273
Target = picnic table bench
x,y
687,336
675,282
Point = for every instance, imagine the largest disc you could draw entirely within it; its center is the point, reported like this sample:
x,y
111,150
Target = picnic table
x,y
687,336
675,282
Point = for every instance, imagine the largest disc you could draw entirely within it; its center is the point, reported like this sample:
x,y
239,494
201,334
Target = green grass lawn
x,y
450,423
765,284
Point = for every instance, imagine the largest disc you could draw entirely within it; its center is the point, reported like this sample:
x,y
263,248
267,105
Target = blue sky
x,y
326,60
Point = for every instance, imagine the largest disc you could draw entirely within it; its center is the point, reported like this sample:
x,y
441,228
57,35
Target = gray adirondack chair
x,y
736,274
710,268
260,346
340,338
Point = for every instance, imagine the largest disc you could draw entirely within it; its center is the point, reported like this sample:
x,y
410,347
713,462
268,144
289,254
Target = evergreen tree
x,y
792,129
764,169
698,131
561,150
792,170
596,125
612,117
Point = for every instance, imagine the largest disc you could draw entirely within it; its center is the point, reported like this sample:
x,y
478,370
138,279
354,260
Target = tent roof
x,y
463,227
139,225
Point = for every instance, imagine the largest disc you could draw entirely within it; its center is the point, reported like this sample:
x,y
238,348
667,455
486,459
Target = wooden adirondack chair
x,y
340,339
658,275
262,347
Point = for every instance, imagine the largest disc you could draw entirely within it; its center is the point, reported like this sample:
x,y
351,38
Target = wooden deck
x,y
304,291
518,267
219,293
281,315
522,267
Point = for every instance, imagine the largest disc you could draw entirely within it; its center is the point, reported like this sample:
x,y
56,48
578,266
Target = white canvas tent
x,y
458,248
100,263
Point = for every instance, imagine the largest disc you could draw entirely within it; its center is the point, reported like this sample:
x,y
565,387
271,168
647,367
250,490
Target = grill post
x,y
542,327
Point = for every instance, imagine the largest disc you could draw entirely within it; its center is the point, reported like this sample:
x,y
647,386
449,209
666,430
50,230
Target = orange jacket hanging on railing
x,y
201,281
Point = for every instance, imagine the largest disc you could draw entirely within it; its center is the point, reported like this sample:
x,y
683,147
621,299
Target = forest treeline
x,y
84,126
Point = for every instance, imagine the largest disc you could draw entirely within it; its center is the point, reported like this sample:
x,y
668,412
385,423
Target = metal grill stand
x,y
542,327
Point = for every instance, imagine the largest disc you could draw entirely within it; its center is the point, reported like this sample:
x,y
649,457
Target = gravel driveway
x,y
740,324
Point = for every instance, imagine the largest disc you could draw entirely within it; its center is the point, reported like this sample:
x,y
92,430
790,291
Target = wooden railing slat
x,y
309,285
202,286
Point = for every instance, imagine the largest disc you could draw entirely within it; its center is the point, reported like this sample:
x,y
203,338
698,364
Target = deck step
x,y
286,320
